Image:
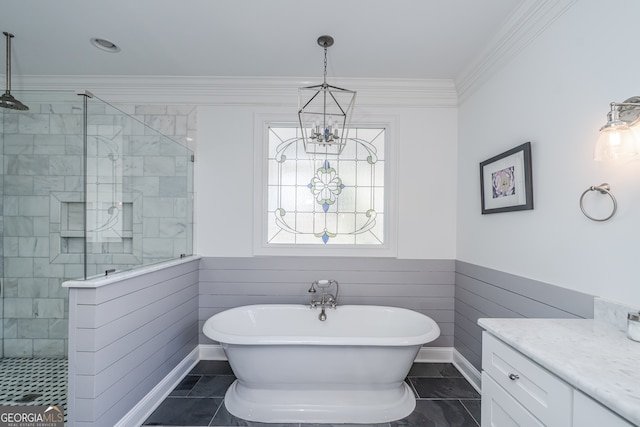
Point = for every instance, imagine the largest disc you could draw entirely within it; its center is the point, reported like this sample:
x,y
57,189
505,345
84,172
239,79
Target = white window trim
x,y
261,247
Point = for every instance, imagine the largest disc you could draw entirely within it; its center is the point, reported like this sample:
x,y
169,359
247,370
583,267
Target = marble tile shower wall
x,y
42,160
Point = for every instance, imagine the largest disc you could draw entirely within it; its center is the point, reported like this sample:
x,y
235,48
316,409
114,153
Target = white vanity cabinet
x,y
588,412
541,398
518,392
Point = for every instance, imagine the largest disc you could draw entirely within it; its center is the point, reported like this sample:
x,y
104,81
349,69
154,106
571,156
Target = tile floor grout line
x,y
193,386
216,412
413,388
469,412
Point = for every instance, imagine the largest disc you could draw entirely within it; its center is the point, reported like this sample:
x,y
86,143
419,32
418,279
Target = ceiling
x,y
412,39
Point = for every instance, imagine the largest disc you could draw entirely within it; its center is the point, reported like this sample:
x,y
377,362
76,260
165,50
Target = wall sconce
x,y
616,140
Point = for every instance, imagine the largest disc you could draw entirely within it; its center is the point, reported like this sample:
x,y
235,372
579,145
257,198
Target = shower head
x,y
7,100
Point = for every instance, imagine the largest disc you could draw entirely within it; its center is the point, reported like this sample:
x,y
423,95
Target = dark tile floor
x,y
444,398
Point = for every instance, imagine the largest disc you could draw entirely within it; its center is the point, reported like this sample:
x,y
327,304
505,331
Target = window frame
x,y
261,217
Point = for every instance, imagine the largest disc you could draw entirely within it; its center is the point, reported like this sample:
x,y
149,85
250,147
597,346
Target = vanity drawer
x,y
547,397
500,409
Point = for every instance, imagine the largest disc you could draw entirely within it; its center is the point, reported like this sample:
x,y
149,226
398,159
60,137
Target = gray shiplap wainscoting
x,y
426,286
128,333
483,292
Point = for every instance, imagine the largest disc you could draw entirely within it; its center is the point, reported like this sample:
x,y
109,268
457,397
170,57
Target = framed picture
x,y
505,181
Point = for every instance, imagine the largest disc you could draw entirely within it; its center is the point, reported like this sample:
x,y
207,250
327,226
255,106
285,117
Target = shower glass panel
x,y
85,188
139,188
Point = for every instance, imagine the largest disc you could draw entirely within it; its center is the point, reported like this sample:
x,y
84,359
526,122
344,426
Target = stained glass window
x,y
316,199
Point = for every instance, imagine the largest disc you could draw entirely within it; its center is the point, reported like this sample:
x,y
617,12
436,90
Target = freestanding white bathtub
x,y
292,367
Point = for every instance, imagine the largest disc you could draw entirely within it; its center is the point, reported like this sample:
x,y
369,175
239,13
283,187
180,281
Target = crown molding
x,y
271,91
522,27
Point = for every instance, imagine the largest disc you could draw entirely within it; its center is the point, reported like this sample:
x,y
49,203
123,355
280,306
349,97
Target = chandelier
x,y
324,112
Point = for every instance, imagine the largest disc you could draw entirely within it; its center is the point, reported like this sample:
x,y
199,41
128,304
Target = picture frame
x,y
506,181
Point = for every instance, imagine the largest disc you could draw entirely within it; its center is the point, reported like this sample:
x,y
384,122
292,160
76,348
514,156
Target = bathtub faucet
x,y
327,298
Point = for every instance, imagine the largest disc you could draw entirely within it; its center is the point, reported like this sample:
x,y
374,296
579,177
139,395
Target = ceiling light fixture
x,y
104,44
7,100
617,140
324,112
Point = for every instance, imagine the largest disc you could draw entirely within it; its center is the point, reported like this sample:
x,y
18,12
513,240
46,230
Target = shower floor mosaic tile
x,y
444,398
37,381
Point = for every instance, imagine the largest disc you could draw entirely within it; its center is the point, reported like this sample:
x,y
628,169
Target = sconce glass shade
x,y
616,140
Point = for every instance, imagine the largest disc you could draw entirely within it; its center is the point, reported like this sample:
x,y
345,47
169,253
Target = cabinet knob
x,y
513,376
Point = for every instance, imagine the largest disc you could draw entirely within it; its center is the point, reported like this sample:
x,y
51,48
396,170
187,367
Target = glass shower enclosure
x,y
86,189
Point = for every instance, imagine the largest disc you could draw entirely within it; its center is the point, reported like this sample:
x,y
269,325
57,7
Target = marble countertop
x,y
591,355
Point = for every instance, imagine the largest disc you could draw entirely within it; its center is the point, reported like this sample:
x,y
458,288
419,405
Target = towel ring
x,y
603,189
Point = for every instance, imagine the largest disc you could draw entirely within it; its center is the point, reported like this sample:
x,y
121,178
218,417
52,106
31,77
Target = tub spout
x,y
326,300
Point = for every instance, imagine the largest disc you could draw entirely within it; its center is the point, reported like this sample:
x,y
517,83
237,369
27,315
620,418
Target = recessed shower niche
x,y
114,229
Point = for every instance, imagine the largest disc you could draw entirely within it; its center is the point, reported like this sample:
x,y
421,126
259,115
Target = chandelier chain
x,y
325,65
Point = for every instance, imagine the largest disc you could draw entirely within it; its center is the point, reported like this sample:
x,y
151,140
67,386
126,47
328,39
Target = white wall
x,y
426,165
556,93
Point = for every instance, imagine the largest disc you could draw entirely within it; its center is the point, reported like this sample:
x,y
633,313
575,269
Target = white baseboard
x,y
139,413
435,355
212,352
468,370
